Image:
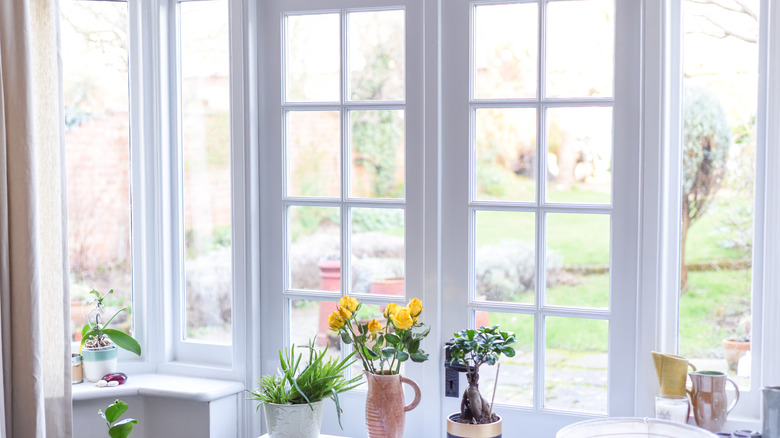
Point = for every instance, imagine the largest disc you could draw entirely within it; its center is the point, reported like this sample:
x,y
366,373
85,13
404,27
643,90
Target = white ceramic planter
x,y
293,421
98,362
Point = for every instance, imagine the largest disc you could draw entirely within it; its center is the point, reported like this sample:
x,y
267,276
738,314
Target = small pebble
x,y
101,383
113,383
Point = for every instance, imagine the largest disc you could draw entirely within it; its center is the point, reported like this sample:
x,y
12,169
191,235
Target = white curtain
x,y
34,317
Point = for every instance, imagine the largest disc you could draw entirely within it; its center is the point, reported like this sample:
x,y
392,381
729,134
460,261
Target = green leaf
x,y
388,352
123,428
414,346
392,338
509,352
419,357
345,337
402,356
115,410
470,334
123,340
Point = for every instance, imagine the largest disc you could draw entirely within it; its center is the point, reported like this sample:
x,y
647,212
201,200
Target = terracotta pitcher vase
x,y
385,405
672,372
709,399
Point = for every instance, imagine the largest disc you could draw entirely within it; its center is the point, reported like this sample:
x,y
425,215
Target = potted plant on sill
x,y
293,399
737,346
382,350
99,343
472,348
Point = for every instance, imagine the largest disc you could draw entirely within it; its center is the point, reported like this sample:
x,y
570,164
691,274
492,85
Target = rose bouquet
x,y
382,349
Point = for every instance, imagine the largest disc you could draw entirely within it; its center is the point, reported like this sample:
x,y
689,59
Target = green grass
x,y
714,299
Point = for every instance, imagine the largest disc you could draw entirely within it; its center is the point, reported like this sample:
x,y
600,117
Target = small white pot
x,y
293,421
98,362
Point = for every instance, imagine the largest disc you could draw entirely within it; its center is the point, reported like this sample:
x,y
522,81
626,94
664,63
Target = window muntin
x,y
206,171
720,70
563,220
94,41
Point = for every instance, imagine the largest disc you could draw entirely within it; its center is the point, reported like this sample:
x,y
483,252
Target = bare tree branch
x,y
727,32
743,7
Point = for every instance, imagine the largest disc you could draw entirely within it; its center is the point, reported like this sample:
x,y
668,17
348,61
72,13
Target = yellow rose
x,y
401,319
415,307
335,321
391,309
344,313
349,304
374,326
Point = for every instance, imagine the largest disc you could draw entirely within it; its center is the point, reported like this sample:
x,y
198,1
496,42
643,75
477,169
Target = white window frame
x,y
661,197
624,213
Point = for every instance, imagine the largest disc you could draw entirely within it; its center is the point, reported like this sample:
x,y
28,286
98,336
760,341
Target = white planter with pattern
x,y
293,421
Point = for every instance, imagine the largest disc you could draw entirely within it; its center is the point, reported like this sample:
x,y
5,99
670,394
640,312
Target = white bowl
x,y
632,428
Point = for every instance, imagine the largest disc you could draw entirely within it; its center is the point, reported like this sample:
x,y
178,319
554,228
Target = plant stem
x,y
492,400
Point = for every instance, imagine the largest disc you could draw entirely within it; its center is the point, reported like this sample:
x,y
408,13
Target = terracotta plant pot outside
x,y
385,405
293,421
461,430
734,350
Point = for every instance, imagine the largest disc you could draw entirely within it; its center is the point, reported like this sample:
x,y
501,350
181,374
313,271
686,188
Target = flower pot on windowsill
x,y
463,430
299,421
734,349
98,361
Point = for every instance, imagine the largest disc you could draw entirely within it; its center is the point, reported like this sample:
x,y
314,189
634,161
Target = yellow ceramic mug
x,y
672,371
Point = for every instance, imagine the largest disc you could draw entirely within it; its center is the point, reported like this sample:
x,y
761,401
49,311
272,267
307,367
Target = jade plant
x,y
473,348
117,428
307,383
97,334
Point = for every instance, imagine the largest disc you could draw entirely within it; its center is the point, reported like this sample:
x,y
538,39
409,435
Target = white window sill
x,y
161,385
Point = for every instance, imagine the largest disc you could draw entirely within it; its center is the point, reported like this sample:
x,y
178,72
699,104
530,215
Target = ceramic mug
x,y
672,371
771,411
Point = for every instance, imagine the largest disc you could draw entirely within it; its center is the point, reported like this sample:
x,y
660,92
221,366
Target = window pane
x,y
505,261
313,58
579,155
719,158
506,50
95,83
577,260
315,248
377,162
309,321
580,48
575,376
516,379
205,132
376,55
314,153
506,154
378,251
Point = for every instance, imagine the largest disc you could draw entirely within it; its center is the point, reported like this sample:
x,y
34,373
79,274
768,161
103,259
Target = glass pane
x,y
95,84
506,50
377,251
309,321
314,257
376,55
505,265
314,153
577,260
377,162
720,66
313,56
580,48
575,369
205,131
579,155
516,378
506,154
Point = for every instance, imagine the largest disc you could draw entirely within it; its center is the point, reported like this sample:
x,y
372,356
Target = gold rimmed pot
x,y
462,430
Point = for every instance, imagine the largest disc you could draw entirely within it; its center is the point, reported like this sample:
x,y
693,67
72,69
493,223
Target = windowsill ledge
x,y
161,385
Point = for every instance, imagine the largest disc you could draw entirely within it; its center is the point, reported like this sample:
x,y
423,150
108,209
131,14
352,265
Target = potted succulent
x,y
117,428
472,348
99,343
293,399
382,349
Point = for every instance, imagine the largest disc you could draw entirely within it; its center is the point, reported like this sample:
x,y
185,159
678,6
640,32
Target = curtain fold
x,y
34,319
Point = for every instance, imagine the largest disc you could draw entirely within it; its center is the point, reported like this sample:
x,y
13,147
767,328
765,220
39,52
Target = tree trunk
x,y
686,223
